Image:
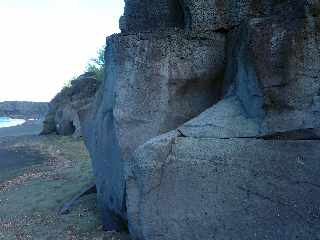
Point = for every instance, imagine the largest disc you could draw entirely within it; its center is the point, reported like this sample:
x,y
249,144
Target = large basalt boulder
x,y
154,83
246,168
63,116
207,188
236,85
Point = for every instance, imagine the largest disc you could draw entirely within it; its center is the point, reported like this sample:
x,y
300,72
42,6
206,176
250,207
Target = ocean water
x,y
9,122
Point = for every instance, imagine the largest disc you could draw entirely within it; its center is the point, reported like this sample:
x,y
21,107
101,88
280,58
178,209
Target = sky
x,y
44,43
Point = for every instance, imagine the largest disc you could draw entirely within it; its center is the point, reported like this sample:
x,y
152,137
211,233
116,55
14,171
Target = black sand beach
x,y
38,174
15,160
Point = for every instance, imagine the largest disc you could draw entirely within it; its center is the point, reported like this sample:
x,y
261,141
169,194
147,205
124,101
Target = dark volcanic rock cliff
x,y
207,124
64,109
25,110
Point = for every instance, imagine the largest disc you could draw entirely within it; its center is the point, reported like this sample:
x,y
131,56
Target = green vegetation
x,y
95,65
68,83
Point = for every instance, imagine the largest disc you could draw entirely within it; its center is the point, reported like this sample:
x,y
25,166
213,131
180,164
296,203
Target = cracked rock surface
x,y
205,188
207,124
155,83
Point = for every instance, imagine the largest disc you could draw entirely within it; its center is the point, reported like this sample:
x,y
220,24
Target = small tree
x,y
97,64
68,83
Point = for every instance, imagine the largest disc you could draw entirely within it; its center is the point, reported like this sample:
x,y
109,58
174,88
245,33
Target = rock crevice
x,y
207,109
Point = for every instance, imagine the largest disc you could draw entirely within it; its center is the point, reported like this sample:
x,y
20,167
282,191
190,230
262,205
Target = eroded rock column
x,y
155,82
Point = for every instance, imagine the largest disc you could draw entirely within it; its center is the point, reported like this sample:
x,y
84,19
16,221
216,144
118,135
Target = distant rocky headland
x,y
23,109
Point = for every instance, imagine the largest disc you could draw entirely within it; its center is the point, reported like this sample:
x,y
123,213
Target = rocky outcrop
x,y
274,77
24,110
142,16
207,124
155,82
63,117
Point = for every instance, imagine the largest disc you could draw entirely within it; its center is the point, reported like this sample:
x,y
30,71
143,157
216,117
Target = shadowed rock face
x,y
207,124
151,15
205,15
273,74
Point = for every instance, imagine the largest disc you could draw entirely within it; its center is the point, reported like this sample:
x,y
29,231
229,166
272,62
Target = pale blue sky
x,y
43,43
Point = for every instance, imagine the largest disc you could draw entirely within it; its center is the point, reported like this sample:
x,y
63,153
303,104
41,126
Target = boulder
x,y
207,188
155,83
207,123
246,168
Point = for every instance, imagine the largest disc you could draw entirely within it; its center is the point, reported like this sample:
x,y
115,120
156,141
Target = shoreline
x,y
30,127
15,159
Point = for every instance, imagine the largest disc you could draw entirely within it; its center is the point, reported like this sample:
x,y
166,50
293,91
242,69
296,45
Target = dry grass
x,y
30,200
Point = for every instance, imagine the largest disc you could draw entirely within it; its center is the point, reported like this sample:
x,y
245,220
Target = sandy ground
x,y
38,174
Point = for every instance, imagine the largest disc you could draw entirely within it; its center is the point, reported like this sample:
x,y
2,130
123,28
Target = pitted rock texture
x,y
63,117
206,15
275,81
150,15
207,124
155,83
234,171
